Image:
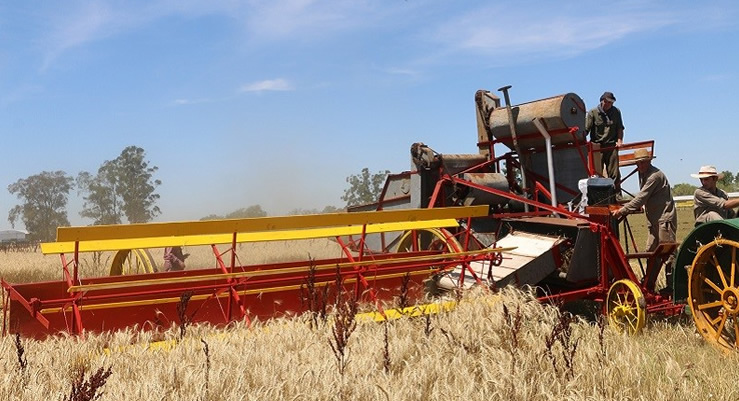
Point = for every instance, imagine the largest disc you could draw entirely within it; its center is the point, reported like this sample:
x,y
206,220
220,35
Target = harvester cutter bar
x,y
426,256
219,292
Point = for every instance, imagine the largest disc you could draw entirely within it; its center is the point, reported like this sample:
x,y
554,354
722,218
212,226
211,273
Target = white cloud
x,y
278,84
718,78
192,101
511,33
279,19
74,24
538,29
511,30
402,71
92,21
21,93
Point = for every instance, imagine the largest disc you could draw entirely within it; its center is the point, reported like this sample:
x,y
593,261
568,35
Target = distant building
x,y
12,235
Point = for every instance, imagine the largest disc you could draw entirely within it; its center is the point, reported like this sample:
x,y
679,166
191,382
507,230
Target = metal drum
x,y
491,180
558,114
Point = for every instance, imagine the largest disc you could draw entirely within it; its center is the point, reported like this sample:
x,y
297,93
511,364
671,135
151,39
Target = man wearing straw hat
x,y
710,202
656,198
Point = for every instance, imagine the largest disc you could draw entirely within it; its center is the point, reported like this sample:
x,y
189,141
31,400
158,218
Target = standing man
x,y
654,194
174,259
606,128
710,202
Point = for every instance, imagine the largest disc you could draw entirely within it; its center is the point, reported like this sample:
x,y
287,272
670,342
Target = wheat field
x,y
502,346
491,347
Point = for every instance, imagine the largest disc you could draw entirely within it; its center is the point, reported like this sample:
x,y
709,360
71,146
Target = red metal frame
x,y
219,295
614,262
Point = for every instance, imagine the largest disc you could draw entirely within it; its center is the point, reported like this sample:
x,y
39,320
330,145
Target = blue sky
x,y
277,102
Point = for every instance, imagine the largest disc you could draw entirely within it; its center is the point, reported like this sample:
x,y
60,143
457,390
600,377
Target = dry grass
x,y
685,224
25,267
471,355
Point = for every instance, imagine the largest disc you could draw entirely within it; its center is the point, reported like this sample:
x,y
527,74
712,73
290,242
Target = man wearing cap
x,y
606,128
710,202
656,197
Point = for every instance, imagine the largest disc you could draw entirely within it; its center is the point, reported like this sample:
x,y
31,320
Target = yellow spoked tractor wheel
x,y
132,261
433,239
713,293
626,307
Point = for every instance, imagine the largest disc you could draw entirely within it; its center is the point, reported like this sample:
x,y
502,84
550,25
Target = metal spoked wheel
x,y
626,307
433,239
132,261
713,293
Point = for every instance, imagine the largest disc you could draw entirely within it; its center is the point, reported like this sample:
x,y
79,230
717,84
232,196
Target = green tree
x,y
136,185
364,187
44,206
122,187
683,189
102,202
327,209
727,182
244,212
332,209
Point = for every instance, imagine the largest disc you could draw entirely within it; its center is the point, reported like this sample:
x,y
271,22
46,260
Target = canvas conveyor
x,y
528,263
539,250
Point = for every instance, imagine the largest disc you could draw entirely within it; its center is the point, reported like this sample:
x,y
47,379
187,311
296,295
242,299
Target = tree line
x,y
363,188
123,190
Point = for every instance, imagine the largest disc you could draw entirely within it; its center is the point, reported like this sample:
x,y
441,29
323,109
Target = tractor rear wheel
x,y
132,261
626,307
713,293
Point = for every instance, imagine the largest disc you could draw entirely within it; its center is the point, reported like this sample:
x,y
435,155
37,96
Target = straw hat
x,y
642,154
708,171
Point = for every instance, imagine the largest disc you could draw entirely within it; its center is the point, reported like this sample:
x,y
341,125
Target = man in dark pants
x,y
606,128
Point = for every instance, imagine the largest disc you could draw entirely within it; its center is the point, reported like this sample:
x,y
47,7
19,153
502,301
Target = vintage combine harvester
x,y
536,214
549,203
